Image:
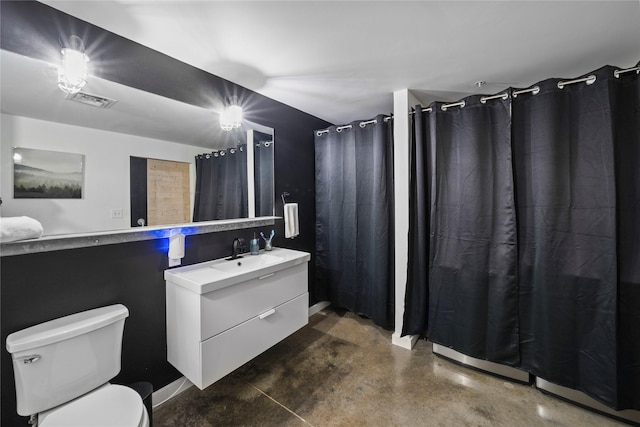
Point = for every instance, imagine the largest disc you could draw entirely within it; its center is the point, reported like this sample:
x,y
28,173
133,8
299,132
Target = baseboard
x,y
315,308
170,391
483,365
407,341
585,400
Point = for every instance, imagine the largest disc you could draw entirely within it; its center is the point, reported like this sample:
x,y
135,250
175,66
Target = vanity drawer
x,y
231,349
228,307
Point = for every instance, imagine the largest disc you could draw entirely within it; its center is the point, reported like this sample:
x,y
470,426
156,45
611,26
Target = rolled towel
x,y
19,228
291,220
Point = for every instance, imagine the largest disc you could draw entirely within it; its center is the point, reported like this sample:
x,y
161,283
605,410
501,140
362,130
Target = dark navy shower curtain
x,y
473,295
354,222
221,185
625,101
416,313
576,160
559,298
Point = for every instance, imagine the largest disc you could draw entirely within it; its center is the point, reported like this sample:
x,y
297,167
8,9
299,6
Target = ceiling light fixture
x,y
231,116
73,70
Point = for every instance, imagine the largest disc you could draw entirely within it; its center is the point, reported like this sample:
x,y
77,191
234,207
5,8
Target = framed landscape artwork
x,y
42,174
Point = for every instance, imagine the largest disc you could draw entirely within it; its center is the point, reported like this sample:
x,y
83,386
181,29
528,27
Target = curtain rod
x,y
534,90
588,80
503,96
222,152
461,104
628,70
361,124
444,107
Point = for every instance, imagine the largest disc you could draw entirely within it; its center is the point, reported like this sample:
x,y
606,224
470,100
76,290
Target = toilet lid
x,y
109,405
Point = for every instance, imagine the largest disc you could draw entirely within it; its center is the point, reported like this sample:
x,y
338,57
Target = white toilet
x,y
62,368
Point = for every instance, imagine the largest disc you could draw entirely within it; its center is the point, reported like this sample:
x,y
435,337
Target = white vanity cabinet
x,y
221,314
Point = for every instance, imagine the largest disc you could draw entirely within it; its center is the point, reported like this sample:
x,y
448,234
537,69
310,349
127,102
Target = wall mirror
x,y
110,125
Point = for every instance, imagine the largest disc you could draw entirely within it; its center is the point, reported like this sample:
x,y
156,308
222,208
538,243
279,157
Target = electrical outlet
x,y
116,213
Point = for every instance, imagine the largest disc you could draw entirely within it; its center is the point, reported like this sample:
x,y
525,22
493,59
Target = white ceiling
x,y
342,60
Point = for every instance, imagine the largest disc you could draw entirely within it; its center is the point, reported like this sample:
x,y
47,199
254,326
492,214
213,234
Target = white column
x,y
403,100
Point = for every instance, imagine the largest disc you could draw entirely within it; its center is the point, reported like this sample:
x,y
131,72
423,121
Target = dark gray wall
x,y
38,287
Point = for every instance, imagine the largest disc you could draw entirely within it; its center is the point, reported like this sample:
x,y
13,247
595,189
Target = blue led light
x,y
162,236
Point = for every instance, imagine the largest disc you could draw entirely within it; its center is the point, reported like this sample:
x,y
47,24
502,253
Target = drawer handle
x,y
267,314
266,275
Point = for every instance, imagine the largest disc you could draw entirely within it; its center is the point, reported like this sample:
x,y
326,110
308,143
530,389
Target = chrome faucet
x,y
237,247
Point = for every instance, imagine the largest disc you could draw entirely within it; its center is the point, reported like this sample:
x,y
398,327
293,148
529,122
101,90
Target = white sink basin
x,y
247,263
220,273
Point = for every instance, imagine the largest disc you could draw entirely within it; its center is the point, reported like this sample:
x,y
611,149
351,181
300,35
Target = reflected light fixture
x,y
73,70
231,116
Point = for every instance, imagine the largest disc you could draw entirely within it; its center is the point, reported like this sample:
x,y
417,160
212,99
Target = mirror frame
x,y
248,126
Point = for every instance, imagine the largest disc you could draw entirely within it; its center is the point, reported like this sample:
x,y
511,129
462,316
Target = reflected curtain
x,y
263,177
354,223
577,160
221,185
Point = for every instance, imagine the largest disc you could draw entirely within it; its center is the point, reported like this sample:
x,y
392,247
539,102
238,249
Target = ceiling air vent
x,y
92,100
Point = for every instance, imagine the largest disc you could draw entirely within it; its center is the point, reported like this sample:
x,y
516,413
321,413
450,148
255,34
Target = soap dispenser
x,y
254,245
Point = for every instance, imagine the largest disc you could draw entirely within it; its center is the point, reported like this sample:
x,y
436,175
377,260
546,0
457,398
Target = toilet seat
x,y
110,405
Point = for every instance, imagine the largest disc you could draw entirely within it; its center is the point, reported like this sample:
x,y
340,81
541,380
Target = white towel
x,y
19,228
290,220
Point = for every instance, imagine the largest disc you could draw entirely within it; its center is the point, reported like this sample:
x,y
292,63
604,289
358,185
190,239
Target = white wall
x,y
106,180
403,100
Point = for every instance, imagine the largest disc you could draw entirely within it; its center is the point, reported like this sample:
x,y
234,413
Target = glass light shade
x,y
72,74
231,118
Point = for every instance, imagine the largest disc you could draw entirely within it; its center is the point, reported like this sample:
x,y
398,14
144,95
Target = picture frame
x,y
44,174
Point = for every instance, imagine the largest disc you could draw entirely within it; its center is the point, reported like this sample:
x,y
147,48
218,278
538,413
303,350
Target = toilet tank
x,y
57,361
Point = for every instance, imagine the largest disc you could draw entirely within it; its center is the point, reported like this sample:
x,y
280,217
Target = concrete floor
x,y
341,370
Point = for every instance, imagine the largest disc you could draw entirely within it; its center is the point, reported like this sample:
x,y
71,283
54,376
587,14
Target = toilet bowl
x,y
109,405
62,368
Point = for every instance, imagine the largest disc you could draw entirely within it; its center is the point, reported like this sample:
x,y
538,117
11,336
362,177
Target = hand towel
x,y
19,228
290,220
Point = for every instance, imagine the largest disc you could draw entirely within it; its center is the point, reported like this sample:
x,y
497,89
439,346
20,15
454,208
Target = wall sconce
x,y
73,70
231,116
